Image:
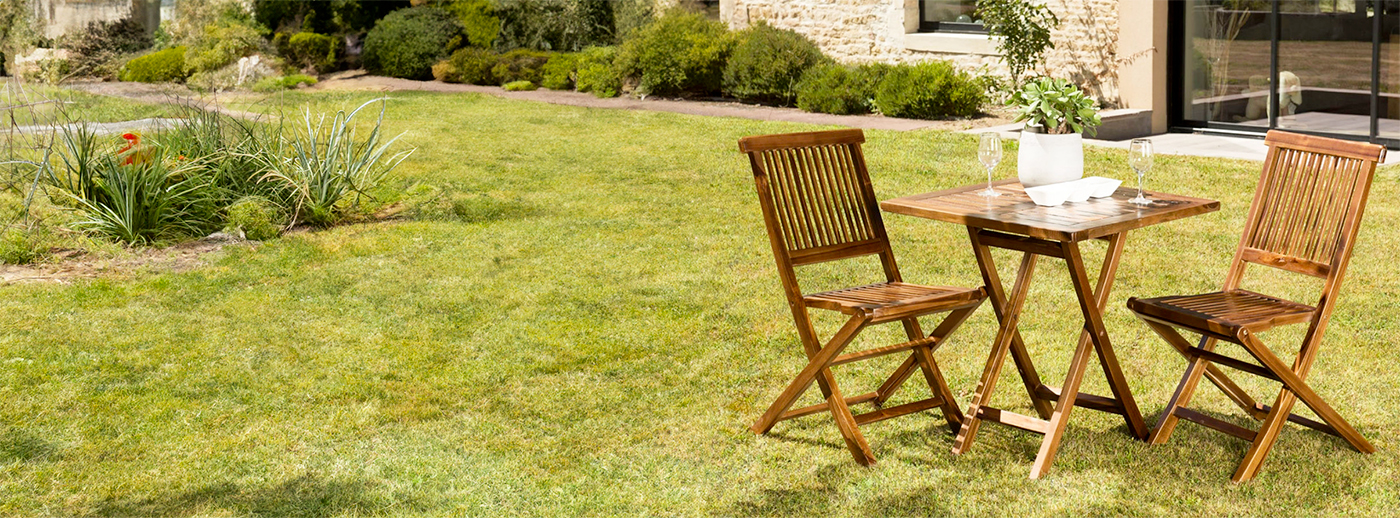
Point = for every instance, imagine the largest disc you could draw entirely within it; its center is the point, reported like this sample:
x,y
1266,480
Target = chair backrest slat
x,y
1308,203
815,191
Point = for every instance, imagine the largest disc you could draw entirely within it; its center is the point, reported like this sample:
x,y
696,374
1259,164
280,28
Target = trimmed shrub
x,y
840,89
156,67
313,51
516,86
274,84
408,42
681,53
559,71
470,65
929,90
768,62
257,217
597,72
478,20
520,65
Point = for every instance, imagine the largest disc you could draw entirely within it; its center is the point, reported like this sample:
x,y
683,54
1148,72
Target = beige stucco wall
x,y
1087,48
62,16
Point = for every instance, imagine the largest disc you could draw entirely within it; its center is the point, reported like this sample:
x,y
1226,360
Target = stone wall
x,y
859,31
59,17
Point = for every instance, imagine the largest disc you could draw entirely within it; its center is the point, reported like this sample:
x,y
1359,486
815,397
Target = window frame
x,y
948,27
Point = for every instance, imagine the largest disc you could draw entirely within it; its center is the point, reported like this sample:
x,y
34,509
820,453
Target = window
x,y
950,16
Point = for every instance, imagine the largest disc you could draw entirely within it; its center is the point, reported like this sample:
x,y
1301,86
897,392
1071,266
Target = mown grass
x,y
594,330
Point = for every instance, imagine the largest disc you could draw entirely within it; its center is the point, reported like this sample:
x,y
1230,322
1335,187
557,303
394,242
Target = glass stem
x,y
989,178
1139,186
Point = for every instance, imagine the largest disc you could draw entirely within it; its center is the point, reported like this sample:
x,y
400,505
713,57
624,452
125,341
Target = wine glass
x,y
1140,158
989,152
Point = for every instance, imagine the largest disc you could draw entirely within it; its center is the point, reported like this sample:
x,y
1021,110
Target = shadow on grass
x,y
17,445
303,496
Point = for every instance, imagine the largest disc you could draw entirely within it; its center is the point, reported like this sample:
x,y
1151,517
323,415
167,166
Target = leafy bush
x,y
929,90
597,72
520,65
840,89
682,52
478,20
97,50
470,65
18,246
309,50
408,42
274,84
768,62
557,25
326,164
558,72
1024,28
335,17
221,45
516,86
256,217
156,67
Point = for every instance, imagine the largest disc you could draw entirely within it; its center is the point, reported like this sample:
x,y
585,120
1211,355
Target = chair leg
x,y
846,422
939,386
815,366
951,323
1299,388
1196,367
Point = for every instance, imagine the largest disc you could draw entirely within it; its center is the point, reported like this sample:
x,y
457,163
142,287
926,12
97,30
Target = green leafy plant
x,y
256,217
518,86
408,42
220,43
553,25
478,20
276,84
1023,28
929,90
470,65
681,53
325,163
520,65
559,72
767,63
840,89
156,67
597,72
1057,106
312,51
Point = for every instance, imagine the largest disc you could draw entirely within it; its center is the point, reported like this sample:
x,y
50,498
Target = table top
x,y
1014,212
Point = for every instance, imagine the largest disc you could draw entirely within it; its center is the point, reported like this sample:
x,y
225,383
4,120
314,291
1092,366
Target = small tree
x,y
1024,28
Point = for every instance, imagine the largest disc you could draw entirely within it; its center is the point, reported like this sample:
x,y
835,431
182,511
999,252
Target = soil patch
x,y
69,265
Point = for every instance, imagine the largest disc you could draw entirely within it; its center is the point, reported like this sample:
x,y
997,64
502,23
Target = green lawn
x,y
596,330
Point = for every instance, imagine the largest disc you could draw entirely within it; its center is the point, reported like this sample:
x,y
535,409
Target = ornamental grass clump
x,y
327,167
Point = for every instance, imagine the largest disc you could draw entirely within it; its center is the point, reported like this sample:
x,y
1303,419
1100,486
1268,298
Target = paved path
x,y
103,128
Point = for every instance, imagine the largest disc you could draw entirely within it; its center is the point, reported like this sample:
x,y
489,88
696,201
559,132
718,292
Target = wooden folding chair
x,y
1304,220
819,206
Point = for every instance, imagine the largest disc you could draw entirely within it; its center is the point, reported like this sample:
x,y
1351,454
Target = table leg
x,y
1091,303
1003,344
997,295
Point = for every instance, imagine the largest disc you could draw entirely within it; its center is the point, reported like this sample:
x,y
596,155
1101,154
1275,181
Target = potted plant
x,y
1057,114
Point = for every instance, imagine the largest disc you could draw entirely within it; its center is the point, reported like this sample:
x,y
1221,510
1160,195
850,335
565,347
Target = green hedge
x,y
840,89
311,50
470,65
559,71
156,67
520,65
768,62
929,90
681,53
408,42
597,72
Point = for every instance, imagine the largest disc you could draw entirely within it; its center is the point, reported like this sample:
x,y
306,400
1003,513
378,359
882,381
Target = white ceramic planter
x,y
1046,159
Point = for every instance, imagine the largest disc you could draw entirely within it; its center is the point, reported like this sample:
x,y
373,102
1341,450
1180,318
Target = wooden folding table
x,y
1012,221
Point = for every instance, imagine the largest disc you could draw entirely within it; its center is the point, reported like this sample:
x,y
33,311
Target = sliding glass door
x,y
1315,66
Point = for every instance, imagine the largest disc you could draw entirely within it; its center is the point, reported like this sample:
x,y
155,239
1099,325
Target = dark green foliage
x,y
156,67
520,65
408,42
1024,27
630,16
559,25
478,19
597,72
929,90
559,71
470,65
767,63
324,17
310,50
681,53
98,48
840,89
